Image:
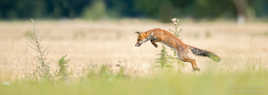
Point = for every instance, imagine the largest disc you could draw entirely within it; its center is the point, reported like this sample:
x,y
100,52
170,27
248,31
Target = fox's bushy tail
x,y
206,53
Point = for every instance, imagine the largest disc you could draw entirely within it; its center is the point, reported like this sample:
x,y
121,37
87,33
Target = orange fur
x,y
160,35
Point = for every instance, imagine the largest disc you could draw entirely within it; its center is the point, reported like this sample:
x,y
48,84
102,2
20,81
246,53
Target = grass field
x,y
90,45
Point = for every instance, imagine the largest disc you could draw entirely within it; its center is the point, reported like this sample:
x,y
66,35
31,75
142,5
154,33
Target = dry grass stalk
x,y
35,43
165,59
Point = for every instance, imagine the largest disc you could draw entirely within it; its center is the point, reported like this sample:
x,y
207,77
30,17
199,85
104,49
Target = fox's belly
x,y
182,51
172,44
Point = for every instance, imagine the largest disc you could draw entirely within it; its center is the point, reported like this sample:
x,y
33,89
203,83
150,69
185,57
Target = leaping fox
x,y
183,50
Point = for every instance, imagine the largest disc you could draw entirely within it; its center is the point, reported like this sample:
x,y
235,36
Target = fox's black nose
x,y
137,44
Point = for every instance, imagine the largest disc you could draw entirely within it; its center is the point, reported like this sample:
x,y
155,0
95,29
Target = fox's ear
x,y
138,32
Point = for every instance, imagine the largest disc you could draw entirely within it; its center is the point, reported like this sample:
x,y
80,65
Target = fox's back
x,y
168,38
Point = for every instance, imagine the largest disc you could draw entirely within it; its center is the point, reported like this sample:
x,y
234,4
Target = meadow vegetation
x,y
99,57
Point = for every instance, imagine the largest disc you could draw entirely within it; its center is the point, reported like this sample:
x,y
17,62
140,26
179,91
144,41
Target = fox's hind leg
x,y
186,58
193,62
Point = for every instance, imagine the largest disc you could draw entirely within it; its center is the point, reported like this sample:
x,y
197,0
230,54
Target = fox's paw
x,y
196,69
155,45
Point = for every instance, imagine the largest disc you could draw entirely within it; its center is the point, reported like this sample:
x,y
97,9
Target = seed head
x,y
174,21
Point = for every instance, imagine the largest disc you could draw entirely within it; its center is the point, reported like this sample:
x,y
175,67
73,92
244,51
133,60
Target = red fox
x,y
167,38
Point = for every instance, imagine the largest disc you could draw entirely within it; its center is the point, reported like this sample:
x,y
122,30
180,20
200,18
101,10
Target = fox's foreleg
x,y
154,43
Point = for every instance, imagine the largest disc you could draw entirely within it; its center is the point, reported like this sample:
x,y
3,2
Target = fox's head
x,y
142,38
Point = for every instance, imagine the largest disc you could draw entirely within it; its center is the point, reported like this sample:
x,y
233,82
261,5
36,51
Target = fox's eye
x,y
139,40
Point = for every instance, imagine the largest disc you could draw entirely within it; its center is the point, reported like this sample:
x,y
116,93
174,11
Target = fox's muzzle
x,y
137,44
141,42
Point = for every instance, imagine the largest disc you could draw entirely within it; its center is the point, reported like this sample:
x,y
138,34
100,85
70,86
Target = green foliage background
x,y
156,9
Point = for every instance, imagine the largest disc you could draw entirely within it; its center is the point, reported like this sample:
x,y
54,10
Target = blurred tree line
x,y
156,9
